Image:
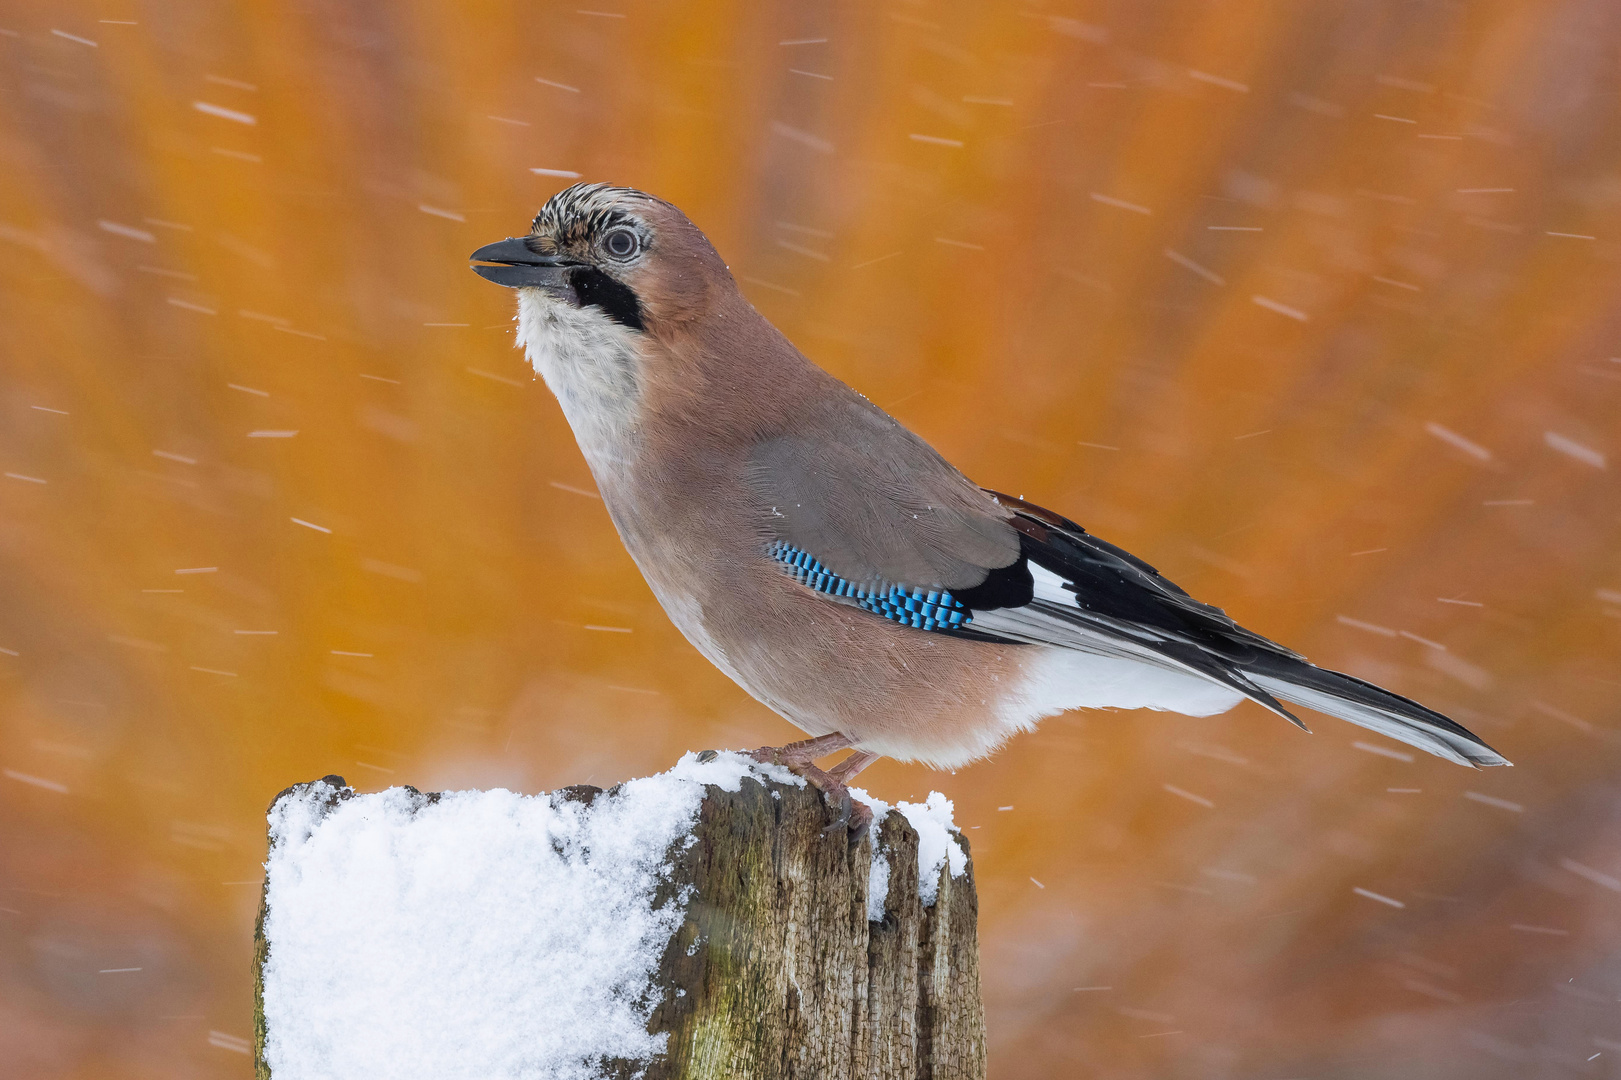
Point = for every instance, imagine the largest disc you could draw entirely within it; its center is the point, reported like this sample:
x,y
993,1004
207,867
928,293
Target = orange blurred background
x,y
1314,305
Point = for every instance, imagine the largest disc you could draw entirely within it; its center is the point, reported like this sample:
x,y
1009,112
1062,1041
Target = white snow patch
x,y
726,770
878,872
877,886
936,847
489,935
880,809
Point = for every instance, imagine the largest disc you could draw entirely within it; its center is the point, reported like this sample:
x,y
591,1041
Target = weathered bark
x,y
776,972
789,979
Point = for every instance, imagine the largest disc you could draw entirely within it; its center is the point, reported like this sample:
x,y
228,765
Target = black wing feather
x,y
1114,584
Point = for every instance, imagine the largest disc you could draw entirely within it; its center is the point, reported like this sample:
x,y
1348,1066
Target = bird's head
x,y
633,320
615,254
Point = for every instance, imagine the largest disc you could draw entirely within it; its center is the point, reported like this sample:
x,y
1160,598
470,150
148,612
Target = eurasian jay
x,y
830,561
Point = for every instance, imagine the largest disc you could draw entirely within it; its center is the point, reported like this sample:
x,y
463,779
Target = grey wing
x,y
876,504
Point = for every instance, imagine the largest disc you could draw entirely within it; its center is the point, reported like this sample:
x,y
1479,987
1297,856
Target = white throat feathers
x,y
592,366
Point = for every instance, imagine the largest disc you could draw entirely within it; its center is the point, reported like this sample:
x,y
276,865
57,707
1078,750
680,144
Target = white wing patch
x,y
1050,587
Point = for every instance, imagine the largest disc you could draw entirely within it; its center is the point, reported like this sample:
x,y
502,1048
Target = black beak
x,y
518,267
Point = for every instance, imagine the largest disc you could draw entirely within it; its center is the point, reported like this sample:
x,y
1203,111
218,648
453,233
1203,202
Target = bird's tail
x,y
1363,703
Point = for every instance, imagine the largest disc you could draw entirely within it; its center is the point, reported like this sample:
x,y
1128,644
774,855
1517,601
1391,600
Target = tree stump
x,y
703,923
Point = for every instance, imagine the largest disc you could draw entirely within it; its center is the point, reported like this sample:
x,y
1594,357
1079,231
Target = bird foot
x,y
847,812
801,753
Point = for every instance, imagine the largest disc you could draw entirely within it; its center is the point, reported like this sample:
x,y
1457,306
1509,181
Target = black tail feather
x,y
1360,702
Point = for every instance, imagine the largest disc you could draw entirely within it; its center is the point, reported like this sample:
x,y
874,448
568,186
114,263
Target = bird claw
x,y
797,757
847,812
862,825
800,753
768,755
843,807
852,815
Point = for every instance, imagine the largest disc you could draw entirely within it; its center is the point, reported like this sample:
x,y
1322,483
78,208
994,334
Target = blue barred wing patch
x,y
922,609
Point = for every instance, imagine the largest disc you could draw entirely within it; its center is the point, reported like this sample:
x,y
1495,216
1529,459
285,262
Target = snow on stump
x,y
698,923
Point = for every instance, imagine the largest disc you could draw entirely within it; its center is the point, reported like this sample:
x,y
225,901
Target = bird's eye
x,y
621,243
